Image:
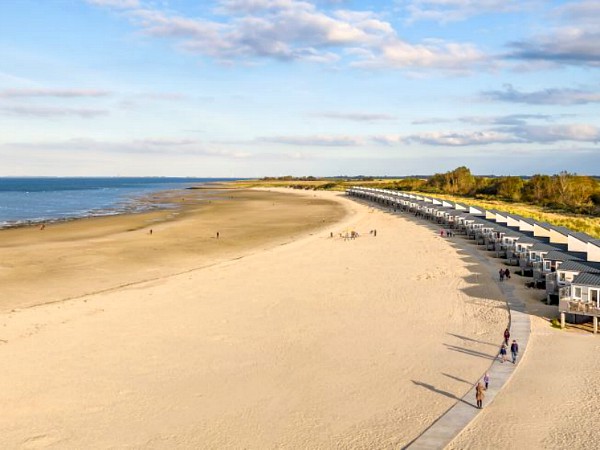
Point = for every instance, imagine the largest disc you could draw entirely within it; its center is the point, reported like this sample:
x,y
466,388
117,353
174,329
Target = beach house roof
x,y
561,229
528,240
556,255
541,247
580,266
476,210
589,279
583,237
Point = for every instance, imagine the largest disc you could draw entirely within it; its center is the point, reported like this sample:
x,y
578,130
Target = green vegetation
x,y
564,191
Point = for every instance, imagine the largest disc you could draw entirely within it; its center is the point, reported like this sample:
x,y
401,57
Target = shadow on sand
x,y
467,351
465,338
441,392
457,378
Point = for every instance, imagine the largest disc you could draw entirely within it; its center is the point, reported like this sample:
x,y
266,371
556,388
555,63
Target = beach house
x,y
577,242
593,250
581,299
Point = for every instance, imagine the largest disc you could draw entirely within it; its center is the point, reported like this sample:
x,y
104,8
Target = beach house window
x,y
547,266
577,292
562,276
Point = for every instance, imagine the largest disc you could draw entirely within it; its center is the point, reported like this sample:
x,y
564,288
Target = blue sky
x,y
249,88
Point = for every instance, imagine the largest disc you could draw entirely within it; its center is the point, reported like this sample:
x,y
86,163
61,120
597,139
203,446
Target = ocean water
x,y
34,200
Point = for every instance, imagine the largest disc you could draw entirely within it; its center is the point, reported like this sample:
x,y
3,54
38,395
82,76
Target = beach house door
x,y
595,296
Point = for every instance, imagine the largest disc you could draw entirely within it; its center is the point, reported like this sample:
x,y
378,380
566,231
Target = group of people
x,y
447,233
483,385
480,390
514,348
504,273
347,235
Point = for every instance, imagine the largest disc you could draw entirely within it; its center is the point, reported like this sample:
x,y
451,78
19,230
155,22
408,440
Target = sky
x,y
252,88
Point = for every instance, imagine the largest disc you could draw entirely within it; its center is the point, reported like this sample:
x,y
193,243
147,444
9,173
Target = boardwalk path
x,y
449,425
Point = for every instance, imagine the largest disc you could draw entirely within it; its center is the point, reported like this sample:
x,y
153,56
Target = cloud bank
x,y
294,30
551,96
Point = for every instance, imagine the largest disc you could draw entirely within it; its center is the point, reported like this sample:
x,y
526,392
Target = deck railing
x,y
571,305
574,306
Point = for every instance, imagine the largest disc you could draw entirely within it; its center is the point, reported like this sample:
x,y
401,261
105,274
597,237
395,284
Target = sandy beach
x,y
274,335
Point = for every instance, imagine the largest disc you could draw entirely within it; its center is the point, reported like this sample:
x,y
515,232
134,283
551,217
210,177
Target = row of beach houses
x,y
563,262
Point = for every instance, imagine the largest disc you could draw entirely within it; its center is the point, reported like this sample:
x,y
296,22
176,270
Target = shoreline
x,y
153,201
74,258
143,199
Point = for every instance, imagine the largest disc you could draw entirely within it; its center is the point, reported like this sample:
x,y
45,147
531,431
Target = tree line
x,y
564,191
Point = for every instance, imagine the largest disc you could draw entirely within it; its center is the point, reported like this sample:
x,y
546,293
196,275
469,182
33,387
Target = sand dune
x,y
317,343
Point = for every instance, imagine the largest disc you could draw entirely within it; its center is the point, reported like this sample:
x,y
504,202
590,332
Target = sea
x,y
32,200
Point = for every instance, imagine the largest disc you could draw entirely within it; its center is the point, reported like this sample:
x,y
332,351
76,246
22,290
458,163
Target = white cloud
x,y
454,10
510,119
49,112
318,140
583,12
355,117
556,133
550,96
515,131
291,30
437,54
121,4
45,92
146,146
572,42
454,139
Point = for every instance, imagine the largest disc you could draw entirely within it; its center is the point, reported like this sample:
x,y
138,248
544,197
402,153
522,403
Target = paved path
x,y
449,425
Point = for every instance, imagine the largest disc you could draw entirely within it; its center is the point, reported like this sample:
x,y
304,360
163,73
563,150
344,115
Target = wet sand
x,y
76,258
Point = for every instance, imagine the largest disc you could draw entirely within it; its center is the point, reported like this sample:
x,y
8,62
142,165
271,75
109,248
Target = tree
x,y
510,188
538,190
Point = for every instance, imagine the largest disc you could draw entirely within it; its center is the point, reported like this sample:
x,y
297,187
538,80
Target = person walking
x,y
507,274
506,336
514,351
486,380
479,395
501,274
503,353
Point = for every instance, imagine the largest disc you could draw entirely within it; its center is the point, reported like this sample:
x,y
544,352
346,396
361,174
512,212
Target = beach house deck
x,y
581,298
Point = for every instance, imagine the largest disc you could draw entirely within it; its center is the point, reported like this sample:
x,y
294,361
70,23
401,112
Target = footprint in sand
x,y
43,440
